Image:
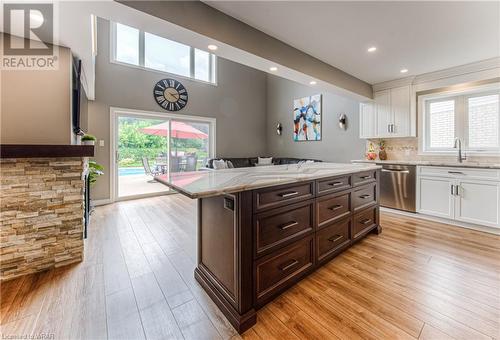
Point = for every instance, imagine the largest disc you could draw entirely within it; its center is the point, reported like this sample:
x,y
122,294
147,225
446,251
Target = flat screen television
x,y
76,96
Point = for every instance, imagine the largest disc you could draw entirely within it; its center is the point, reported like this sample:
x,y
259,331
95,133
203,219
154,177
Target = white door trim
x,y
117,111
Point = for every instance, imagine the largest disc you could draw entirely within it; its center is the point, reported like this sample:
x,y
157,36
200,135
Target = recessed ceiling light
x,y
212,47
312,82
404,70
273,69
372,49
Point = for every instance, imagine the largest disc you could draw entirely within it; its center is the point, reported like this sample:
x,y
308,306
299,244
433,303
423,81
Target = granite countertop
x,y
434,163
199,184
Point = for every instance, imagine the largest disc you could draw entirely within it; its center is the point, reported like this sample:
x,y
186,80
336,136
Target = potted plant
x,y
88,139
95,170
382,154
371,155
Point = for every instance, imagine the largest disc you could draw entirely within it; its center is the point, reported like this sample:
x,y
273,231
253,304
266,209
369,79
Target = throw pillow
x,y
220,164
265,161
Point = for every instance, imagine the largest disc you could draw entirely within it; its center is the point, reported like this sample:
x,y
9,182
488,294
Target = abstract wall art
x,y
307,118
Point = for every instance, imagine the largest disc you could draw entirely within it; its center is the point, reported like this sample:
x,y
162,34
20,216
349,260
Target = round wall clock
x,y
170,94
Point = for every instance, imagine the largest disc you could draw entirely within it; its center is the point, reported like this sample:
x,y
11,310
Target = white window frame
x,y
115,112
461,119
112,58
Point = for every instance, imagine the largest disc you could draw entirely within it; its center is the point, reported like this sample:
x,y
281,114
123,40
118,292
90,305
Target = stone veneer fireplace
x,y
41,209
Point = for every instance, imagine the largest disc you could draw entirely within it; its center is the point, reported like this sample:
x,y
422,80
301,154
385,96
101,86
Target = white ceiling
x,y
73,26
419,36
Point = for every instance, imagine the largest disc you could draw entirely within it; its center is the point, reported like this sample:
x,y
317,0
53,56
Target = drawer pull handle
x,y
365,222
335,238
365,177
288,194
456,172
365,196
288,225
336,207
290,265
335,184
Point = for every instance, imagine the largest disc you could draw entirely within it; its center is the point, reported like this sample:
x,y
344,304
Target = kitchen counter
x,y
262,229
199,184
433,163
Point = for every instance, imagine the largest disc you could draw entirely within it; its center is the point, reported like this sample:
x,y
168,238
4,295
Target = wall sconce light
x,y
279,129
343,121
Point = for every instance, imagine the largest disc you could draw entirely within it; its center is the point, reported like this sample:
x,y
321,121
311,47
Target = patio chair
x,y
191,162
175,163
148,171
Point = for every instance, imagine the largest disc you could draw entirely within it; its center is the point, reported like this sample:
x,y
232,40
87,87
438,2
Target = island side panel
x,y
225,255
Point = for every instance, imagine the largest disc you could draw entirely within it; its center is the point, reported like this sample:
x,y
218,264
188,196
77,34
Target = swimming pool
x,y
130,171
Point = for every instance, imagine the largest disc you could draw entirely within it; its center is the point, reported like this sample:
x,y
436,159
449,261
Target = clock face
x,y
170,94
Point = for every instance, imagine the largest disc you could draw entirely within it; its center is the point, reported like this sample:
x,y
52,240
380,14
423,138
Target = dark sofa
x,y
251,161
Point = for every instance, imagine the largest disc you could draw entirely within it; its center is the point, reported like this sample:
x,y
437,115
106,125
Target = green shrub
x,y
88,137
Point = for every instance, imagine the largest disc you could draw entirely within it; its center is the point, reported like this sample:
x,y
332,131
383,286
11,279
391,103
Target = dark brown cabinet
x,y
365,196
280,226
282,195
329,185
282,268
364,221
255,244
332,238
333,207
365,177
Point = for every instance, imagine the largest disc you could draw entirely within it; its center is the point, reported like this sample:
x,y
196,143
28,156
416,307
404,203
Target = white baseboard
x,y
443,220
101,202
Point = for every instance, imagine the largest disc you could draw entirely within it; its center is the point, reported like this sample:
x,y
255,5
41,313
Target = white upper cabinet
x,y
400,111
391,114
368,122
383,110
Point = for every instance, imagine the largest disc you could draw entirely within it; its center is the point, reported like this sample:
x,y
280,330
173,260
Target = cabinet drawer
x,y
363,222
332,238
326,186
365,177
277,227
364,196
331,208
283,195
282,268
460,173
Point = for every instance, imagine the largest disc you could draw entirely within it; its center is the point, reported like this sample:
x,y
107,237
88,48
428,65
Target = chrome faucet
x,y
458,144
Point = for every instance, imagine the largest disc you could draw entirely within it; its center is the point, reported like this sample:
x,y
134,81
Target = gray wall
x,y
336,145
238,103
35,105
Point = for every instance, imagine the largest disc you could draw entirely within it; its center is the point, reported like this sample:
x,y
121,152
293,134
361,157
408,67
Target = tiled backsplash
x,y
404,149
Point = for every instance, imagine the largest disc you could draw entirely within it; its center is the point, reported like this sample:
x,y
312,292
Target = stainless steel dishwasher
x,y
398,186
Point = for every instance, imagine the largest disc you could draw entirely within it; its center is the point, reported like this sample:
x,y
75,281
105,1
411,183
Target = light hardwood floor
x,y
418,279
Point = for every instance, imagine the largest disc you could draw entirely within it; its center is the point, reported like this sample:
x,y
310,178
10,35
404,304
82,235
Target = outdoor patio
x,y
130,185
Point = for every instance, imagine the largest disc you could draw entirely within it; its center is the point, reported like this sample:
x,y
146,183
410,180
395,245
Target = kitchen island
x,y
262,229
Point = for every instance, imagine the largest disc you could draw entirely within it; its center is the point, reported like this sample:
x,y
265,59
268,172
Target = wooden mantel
x,y
40,150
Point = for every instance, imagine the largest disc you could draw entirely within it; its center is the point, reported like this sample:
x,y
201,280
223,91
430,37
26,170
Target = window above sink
x,y
472,115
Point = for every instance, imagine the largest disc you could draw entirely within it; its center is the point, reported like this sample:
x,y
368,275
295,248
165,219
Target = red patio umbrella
x,y
179,130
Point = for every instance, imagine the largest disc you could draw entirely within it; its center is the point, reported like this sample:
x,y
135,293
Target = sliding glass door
x,y
148,144
140,155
